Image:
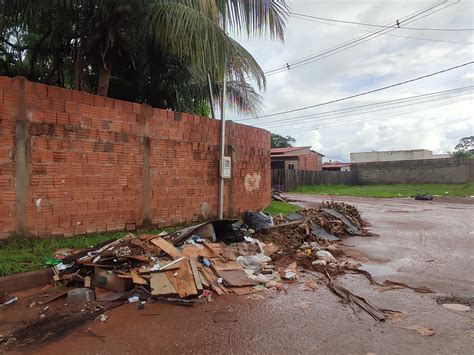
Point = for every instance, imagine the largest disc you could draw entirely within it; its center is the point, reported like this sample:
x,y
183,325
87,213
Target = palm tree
x,y
190,30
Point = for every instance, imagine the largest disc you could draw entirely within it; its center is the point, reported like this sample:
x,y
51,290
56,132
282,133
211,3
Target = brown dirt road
x,y
420,243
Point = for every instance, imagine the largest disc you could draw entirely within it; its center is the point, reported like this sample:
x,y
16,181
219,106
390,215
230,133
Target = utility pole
x,y
222,141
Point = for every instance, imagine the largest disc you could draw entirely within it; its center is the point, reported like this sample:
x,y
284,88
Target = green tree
x,y
106,46
464,149
278,141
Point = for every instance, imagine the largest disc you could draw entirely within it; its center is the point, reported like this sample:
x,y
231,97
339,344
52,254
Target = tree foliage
x,y
158,52
278,141
466,143
464,149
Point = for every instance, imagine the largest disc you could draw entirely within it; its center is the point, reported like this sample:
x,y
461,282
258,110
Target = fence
x,y
289,179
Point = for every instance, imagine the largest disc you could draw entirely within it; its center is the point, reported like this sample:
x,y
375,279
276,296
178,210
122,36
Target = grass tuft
x,y
277,207
399,190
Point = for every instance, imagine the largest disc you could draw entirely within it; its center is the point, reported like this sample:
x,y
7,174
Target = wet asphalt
x,y
421,243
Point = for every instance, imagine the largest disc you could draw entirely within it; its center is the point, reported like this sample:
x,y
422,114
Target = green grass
x,y
400,190
277,207
22,255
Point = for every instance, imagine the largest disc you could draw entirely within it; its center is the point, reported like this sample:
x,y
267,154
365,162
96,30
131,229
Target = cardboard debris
x,y
167,247
236,278
161,285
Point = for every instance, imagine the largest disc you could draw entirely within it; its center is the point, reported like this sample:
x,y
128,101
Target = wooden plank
x,y
270,249
221,266
212,280
160,285
245,290
167,247
183,280
197,279
236,278
192,250
137,279
87,281
203,280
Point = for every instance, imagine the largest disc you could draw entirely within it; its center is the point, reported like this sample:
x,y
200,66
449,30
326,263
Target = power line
x,y
390,116
358,40
387,34
381,26
368,92
382,103
395,104
335,117
387,116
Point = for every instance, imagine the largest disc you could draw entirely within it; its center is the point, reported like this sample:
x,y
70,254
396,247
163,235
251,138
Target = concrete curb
x,y
25,281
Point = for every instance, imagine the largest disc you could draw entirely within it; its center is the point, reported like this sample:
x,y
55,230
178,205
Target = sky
x,y
434,125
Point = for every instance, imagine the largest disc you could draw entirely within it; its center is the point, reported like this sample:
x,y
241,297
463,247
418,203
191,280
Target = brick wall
x,y
73,163
309,162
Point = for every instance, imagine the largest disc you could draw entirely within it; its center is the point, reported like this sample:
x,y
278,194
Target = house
x,y
296,158
395,155
336,166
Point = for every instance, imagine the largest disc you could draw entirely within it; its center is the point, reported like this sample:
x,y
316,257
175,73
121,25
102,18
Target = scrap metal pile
x,y
215,257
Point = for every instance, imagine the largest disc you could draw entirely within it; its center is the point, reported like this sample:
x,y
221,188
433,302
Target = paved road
x,y
422,243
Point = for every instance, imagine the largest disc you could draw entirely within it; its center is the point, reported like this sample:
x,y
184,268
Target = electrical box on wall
x,y
226,167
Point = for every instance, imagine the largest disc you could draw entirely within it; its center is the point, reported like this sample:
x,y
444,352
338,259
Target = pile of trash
x,y
198,262
217,257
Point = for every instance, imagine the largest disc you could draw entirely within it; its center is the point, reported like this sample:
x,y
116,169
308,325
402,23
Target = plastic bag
x,y
257,220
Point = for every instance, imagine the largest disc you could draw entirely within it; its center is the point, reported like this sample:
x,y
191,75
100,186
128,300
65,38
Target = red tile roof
x,y
286,150
336,165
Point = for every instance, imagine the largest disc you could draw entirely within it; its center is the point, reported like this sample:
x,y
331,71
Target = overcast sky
x,y
379,62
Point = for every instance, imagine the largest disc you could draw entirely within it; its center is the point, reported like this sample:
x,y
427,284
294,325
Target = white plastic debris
x,y
103,317
253,262
133,299
319,262
326,256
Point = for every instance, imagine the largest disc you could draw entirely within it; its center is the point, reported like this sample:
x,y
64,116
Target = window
x,y
291,166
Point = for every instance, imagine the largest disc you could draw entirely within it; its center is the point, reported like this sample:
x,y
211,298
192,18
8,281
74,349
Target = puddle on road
x,y
456,307
455,303
378,270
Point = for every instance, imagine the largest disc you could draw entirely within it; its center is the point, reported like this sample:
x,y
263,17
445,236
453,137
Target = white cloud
x,y
373,64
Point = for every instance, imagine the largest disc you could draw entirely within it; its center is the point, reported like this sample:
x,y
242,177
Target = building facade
x,y
394,155
296,158
336,166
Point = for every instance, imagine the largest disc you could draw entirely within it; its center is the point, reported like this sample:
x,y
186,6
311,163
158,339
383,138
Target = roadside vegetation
x,y
399,190
277,207
25,255
22,255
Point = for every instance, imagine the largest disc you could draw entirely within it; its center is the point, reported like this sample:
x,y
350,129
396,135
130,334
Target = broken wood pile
x,y
194,261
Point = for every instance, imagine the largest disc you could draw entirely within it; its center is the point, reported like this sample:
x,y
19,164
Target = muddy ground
x,y
421,243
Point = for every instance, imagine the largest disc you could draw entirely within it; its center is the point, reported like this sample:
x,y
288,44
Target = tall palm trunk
x,y
79,64
105,72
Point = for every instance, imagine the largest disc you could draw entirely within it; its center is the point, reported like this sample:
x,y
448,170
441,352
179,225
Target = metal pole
x,y
222,141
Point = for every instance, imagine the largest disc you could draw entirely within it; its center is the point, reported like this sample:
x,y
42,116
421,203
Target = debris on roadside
x,y
213,258
276,195
6,300
423,197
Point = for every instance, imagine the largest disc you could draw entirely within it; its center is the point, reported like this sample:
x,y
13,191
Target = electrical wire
x,y
369,91
359,40
386,34
328,118
381,26
388,116
382,103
